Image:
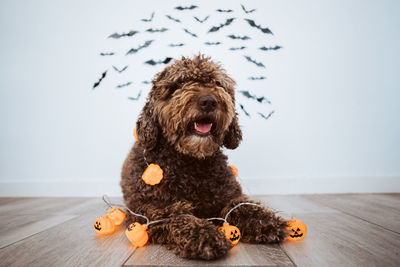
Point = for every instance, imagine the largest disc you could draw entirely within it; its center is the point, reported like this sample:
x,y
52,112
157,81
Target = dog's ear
x,y
146,126
234,135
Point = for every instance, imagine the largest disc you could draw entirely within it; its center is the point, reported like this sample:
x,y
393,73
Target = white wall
x,y
334,88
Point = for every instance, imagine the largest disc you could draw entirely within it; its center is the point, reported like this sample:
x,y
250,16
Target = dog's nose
x,y
207,103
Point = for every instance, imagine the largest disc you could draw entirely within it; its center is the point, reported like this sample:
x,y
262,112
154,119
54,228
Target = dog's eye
x,y
218,83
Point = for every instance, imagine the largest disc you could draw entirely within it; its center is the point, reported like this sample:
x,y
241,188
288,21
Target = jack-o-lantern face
x,y
104,225
231,232
116,215
297,230
137,234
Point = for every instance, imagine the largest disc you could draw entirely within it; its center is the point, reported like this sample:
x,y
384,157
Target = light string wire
x,y
148,222
144,156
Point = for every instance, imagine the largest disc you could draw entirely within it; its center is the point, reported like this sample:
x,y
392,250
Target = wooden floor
x,y
343,230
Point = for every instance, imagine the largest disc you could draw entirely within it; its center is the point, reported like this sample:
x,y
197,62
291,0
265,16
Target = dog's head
x,y
192,104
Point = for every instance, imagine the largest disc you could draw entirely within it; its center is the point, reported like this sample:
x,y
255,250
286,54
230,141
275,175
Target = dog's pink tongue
x,y
203,127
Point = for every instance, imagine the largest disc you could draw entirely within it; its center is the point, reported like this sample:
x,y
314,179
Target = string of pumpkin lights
x,y
138,235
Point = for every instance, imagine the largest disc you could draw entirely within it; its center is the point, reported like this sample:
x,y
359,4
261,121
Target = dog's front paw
x,y
267,230
201,241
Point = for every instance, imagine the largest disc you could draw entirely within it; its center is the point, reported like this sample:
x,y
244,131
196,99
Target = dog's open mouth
x,y
203,127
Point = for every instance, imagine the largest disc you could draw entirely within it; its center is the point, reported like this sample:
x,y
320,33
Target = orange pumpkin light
x,y
297,230
104,225
235,171
116,215
231,232
135,134
153,174
137,234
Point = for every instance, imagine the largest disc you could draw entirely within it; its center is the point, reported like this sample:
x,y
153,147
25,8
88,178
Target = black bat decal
x,y
257,78
245,112
259,99
217,28
121,70
201,20
171,18
277,47
150,19
103,75
165,61
135,50
186,7
247,11
237,48
107,54
119,35
175,45
212,43
253,24
239,37
268,116
224,10
151,30
124,85
188,32
259,64
146,82
136,98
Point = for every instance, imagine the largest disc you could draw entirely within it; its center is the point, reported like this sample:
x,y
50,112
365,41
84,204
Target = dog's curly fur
x,y
197,183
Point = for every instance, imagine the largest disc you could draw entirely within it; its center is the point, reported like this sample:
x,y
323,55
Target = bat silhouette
x,y
135,50
259,64
237,48
119,35
270,48
103,75
224,10
239,37
121,70
165,61
171,18
146,82
151,30
257,78
245,112
268,116
188,32
253,24
247,11
107,54
124,85
201,20
136,98
212,43
175,45
259,99
186,7
150,19
217,28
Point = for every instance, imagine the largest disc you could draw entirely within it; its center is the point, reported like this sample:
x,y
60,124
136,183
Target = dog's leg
x,y
188,236
256,224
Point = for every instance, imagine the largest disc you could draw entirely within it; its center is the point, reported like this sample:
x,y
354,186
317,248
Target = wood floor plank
x,y
293,204
335,238
344,240
25,206
381,209
73,243
17,227
241,255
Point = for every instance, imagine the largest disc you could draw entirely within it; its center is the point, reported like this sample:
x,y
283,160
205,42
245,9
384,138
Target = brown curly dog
x,y
189,115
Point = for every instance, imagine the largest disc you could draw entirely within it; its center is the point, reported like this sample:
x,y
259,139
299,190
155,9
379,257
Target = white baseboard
x,y
267,186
